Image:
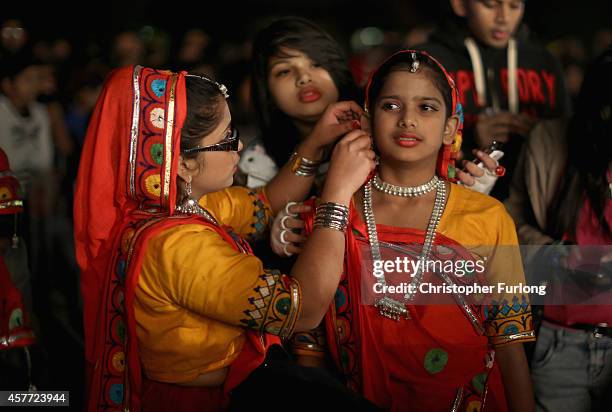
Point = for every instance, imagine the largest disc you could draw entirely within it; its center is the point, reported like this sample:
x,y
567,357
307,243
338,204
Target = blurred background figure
x,y
418,35
14,36
602,39
12,246
193,54
157,47
16,309
562,194
573,55
25,127
127,49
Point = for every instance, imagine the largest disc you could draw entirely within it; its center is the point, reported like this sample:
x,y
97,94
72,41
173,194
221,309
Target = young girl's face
x,y
409,119
300,87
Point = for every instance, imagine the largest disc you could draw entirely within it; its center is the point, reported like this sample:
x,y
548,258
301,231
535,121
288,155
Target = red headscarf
x,y
126,194
126,181
445,167
14,329
10,190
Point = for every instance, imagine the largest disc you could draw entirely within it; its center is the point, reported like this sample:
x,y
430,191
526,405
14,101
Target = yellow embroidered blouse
x,y
196,293
482,225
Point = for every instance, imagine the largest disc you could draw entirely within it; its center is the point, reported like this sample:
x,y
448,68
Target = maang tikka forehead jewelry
x,y
414,67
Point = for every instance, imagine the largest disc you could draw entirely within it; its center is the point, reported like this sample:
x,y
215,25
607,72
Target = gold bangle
x,y
303,166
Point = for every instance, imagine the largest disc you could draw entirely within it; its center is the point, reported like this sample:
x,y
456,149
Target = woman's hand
x,y
283,237
319,265
337,120
351,163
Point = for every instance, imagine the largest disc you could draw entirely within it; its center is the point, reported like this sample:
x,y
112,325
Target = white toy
x,y
257,165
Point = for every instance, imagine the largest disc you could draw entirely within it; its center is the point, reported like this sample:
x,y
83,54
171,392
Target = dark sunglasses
x,y
229,144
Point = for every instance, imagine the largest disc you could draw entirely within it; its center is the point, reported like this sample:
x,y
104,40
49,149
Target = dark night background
x,y
90,27
233,21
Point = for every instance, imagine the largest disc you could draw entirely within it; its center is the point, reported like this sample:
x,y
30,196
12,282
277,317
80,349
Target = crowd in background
x,y
63,83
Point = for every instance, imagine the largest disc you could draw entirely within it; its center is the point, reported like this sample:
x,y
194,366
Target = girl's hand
x,y
351,163
283,239
337,120
481,177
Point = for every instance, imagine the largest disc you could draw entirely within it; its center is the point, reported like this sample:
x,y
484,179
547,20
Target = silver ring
x,y
282,222
287,209
282,237
286,252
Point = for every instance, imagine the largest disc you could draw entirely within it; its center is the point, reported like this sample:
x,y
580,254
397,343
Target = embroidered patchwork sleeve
x,y
198,271
247,211
311,343
275,304
507,311
261,215
509,322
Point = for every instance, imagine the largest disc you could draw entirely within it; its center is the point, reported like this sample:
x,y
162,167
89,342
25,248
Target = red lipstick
x,y
309,94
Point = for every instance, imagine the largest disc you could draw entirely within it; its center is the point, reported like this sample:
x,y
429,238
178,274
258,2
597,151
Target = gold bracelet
x,y
303,166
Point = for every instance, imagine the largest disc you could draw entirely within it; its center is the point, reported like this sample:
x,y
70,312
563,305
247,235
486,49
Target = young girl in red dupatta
x,y
398,350
178,312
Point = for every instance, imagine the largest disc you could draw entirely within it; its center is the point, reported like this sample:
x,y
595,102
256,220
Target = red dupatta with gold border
x,y
126,194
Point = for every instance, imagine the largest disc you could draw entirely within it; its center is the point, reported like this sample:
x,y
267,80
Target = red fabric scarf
x,y
125,195
410,365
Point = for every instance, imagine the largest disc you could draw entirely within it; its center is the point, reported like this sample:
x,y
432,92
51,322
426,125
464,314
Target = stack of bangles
x,y
304,167
332,215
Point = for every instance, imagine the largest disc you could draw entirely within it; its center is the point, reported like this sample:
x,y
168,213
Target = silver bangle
x,y
332,216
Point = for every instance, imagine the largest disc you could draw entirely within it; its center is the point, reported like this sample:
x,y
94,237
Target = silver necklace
x,y
405,191
191,207
386,305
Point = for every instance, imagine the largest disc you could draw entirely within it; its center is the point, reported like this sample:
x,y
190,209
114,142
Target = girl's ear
x,y
450,129
187,168
366,126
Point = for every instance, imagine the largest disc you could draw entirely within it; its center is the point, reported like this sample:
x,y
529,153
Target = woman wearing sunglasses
x,y
178,312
